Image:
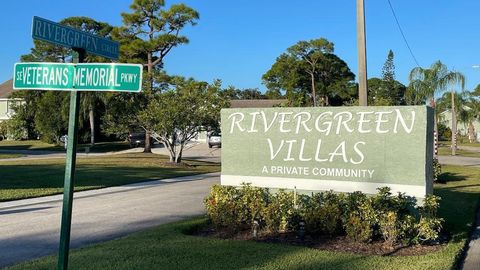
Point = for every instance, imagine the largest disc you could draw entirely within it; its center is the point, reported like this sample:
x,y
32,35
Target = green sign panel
x,y
70,37
80,77
344,149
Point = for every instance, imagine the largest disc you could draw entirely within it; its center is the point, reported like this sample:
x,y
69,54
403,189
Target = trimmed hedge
x,y
380,217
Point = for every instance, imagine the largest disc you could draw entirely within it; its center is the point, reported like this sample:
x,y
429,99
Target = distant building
x,y
445,118
6,103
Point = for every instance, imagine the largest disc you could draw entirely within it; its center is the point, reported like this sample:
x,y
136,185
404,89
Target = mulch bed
x,y
337,244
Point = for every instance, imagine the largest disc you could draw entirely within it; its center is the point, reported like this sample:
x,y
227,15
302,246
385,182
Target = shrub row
x,y
383,216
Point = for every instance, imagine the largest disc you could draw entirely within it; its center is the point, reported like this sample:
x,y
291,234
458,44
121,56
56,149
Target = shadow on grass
x,y
47,177
449,177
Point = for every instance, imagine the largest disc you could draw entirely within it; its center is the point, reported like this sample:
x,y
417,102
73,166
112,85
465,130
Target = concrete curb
x,y
472,254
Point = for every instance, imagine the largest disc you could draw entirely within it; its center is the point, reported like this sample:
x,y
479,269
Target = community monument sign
x,y
344,149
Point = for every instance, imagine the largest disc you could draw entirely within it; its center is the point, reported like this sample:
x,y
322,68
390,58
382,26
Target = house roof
x,y
6,89
255,103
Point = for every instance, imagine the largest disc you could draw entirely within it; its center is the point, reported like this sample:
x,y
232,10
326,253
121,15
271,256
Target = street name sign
x,y
78,77
344,149
70,37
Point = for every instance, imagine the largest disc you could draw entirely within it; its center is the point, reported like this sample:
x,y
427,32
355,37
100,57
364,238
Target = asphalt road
x,y
30,228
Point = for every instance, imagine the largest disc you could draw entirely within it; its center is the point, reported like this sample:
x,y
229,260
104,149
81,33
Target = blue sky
x,y
238,41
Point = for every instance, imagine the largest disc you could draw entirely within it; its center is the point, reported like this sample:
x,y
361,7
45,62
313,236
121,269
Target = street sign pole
x,y
69,172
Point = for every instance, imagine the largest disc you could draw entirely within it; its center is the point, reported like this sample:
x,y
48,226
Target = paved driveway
x,y
31,228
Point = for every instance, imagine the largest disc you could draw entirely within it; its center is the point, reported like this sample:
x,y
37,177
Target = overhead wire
x,y
403,34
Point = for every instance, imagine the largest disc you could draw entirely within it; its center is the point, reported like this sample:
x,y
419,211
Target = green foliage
x,y
385,93
389,227
429,225
322,213
425,83
51,119
249,93
222,207
253,201
310,73
360,223
150,31
279,213
383,216
444,132
13,129
177,114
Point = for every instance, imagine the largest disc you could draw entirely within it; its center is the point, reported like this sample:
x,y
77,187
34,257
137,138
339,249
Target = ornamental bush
x,y
380,217
279,213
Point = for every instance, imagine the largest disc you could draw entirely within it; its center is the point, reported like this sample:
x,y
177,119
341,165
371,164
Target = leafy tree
x,y
184,109
250,93
379,93
309,73
273,94
151,31
230,93
52,121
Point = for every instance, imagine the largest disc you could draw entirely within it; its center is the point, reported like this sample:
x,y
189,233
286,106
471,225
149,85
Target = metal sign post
x,y
75,78
69,172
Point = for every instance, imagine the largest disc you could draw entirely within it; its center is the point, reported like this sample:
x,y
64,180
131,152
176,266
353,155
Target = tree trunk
x,y
91,115
471,132
314,96
179,155
148,146
454,126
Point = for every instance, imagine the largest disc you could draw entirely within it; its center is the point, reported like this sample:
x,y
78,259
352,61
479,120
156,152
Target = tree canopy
x,y
309,73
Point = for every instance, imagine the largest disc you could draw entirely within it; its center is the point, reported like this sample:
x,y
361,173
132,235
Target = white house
x,y
6,102
445,118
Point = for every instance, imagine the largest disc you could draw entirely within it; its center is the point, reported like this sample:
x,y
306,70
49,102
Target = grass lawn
x,y
447,151
101,147
34,178
4,156
168,247
465,142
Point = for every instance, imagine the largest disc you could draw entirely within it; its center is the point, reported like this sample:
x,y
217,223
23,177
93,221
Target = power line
x,y
401,32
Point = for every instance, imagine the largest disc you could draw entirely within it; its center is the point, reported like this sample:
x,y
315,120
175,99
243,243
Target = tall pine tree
x,y
149,33
388,73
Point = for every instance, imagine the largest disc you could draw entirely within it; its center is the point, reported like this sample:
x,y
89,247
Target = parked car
x,y
215,138
136,138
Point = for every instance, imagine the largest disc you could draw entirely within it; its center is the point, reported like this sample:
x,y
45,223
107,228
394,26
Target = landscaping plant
x,y
385,217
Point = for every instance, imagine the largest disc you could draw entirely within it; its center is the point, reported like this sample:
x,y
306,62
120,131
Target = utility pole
x,y
362,54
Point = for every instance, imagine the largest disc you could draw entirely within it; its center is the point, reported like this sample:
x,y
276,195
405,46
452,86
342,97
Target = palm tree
x,y
428,82
89,104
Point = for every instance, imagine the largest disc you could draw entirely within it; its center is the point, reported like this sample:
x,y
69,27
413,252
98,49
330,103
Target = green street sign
x,y
70,37
78,77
